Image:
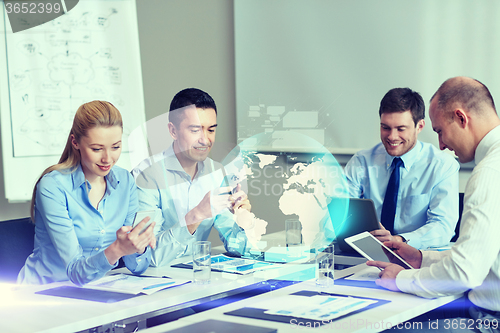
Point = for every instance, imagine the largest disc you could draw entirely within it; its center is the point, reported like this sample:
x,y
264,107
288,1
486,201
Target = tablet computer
x,y
372,249
360,216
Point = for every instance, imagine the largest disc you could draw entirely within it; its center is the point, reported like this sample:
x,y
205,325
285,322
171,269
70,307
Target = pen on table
x,y
158,285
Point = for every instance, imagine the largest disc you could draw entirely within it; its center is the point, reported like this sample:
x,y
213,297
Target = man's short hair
x,y
470,95
403,99
188,97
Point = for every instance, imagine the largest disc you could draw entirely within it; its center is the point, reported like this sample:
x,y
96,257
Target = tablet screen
x,y
373,249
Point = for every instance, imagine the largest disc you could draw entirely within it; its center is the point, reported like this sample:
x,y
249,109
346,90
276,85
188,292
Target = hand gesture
x,y
388,275
410,254
149,229
212,204
239,199
133,241
129,241
384,235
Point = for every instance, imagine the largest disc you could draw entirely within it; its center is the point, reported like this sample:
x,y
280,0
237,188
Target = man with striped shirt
x,y
463,115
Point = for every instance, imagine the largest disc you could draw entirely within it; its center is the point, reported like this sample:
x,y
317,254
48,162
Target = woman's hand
x,y
129,241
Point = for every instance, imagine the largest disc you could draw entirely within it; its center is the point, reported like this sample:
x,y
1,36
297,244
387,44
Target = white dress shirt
x,y
474,261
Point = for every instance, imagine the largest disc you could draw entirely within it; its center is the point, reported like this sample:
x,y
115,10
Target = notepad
x,y
133,284
114,288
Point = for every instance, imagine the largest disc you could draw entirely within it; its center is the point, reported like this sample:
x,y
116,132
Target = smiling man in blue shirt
x,y
184,185
426,209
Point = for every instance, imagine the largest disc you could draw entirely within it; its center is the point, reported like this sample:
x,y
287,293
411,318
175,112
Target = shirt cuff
x,y
101,262
405,279
142,260
138,263
430,257
411,240
184,232
145,254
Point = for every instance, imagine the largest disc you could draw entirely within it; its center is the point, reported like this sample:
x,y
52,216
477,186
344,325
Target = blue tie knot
x,y
397,162
391,196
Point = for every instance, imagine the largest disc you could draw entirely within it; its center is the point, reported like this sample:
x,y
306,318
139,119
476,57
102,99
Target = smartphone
x,y
372,249
139,216
229,181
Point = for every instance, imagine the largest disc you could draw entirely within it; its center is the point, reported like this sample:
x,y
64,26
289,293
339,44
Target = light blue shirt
x,y
165,186
71,235
427,207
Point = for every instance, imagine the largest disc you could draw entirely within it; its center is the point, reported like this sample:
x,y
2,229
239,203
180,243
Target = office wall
x,y
183,44
189,44
314,66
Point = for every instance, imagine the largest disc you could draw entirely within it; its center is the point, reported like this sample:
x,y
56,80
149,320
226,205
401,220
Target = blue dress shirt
x,y
164,186
427,206
71,235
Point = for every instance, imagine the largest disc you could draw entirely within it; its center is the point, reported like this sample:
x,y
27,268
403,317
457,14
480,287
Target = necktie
x,y
391,197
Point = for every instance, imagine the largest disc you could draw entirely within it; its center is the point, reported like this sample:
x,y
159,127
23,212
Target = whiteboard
x,y
322,67
47,72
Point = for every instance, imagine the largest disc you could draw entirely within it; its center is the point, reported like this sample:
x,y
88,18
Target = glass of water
x,y
325,267
201,262
293,235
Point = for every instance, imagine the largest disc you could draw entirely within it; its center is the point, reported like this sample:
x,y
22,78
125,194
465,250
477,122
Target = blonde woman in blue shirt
x,y
83,207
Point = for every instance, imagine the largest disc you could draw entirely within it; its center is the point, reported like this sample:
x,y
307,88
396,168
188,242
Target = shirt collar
x,y
173,164
408,159
484,145
79,178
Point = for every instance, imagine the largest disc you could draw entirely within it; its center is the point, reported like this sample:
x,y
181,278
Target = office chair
x,y
17,239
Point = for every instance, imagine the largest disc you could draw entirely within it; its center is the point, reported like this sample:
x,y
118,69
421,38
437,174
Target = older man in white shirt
x,y
463,115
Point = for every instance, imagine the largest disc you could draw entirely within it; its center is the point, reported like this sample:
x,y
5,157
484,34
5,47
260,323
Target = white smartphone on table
x,y
139,216
372,249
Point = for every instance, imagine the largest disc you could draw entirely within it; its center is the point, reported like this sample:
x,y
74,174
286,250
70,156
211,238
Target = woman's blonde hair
x,y
89,115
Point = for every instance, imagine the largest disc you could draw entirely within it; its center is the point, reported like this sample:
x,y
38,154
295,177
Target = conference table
x,y
401,308
23,310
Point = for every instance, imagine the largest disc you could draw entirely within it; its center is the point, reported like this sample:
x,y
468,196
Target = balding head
x,y
462,112
465,93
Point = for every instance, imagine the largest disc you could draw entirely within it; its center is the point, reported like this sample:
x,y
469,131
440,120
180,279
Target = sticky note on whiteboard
x,y
300,119
275,110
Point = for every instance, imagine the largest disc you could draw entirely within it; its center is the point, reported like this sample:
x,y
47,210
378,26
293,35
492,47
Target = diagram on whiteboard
x,y
90,53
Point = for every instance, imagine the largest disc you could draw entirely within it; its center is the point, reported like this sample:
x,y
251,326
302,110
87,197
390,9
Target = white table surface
x,y
402,307
21,310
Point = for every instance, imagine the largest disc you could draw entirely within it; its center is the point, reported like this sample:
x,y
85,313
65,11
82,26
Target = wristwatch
x,y
403,239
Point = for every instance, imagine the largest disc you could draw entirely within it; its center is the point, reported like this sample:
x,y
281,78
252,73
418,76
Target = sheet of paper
x,y
133,284
320,307
369,273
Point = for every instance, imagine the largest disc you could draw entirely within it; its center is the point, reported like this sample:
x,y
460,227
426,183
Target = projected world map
x,y
298,185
